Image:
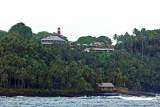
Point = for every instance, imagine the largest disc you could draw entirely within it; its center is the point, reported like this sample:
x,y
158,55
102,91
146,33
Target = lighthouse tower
x,y
59,31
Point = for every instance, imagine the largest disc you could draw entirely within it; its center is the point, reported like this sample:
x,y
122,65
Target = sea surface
x,y
95,101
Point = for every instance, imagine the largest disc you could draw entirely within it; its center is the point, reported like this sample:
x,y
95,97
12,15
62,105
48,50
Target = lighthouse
x,y
59,31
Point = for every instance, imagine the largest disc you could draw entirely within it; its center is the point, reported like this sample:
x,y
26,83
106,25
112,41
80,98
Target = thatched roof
x,y
106,85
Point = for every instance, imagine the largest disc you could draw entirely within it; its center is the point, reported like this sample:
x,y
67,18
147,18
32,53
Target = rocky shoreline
x,y
64,93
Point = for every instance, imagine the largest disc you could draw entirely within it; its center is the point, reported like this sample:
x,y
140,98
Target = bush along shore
x,y
66,93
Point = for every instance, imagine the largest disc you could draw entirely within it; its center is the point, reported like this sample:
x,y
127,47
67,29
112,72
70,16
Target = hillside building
x,y
52,40
56,39
99,49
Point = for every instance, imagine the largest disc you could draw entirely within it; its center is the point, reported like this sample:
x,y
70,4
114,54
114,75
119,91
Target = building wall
x,y
52,42
105,89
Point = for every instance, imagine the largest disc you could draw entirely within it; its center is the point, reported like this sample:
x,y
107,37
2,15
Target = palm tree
x,y
143,33
136,32
4,80
115,36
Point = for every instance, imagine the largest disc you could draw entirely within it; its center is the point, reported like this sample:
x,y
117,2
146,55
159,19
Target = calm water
x,y
108,101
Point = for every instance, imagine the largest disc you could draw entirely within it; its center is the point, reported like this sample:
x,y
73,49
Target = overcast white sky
x,y
81,17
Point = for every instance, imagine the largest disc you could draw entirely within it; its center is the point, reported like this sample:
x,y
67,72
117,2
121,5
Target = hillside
x,y
27,64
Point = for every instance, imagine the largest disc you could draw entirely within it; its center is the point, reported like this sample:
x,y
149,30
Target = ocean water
x,y
95,101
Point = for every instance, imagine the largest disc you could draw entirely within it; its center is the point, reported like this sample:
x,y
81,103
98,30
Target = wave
x,y
137,98
19,96
121,97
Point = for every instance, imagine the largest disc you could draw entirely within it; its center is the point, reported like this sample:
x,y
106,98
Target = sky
x,y
78,18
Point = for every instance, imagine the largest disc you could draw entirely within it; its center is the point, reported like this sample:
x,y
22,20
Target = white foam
x,y
137,98
20,96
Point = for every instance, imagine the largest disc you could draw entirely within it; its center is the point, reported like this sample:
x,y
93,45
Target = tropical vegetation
x,y
26,63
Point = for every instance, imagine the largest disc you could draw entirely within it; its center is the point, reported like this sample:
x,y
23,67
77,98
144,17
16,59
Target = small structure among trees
x,y
52,40
105,87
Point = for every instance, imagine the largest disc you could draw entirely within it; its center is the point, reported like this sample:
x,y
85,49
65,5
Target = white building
x,y
52,40
99,49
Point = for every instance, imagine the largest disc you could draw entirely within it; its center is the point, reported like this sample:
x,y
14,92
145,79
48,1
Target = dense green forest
x,y
90,39
26,63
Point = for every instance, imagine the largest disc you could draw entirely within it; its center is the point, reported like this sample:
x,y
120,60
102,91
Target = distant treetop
x,y
21,29
90,39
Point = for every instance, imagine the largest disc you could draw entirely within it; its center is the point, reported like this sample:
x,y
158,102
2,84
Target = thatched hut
x,y
105,87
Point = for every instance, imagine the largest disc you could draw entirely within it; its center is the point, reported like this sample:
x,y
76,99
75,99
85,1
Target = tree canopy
x,y
3,33
21,29
90,39
26,63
